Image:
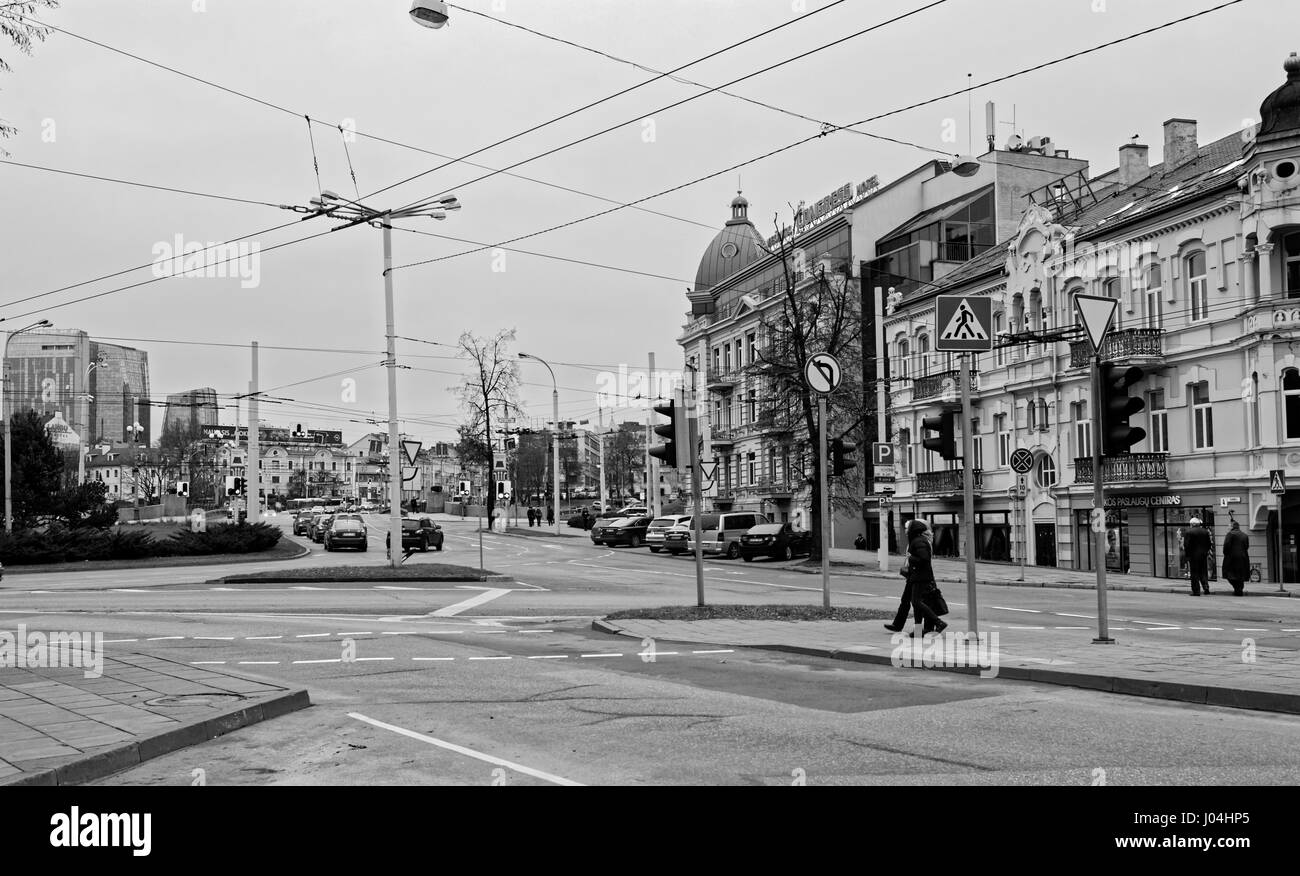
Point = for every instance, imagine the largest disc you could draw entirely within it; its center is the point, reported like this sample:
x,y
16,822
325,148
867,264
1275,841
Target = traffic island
x,y
790,613
426,572
60,727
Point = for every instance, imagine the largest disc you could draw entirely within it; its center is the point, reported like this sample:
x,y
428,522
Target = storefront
x,y
1144,534
993,536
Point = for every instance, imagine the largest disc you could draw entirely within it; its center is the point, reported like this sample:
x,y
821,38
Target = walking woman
x,y
920,577
1236,559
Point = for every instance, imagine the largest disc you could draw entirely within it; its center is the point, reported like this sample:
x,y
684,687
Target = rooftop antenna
x,y
970,143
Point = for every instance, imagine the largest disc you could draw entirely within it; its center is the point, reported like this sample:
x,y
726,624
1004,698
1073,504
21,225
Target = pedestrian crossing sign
x,y
963,324
1277,481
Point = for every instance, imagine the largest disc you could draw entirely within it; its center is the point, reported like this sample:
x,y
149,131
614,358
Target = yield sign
x,y
708,473
410,449
1096,313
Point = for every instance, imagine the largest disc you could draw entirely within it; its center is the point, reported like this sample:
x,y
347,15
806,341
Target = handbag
x,y
937,602
906,568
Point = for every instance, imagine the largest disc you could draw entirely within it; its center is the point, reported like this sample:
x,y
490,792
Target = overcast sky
x,y
366,65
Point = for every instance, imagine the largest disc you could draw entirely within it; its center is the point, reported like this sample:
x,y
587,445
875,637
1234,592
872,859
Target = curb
x,y
130,754
1197,694
341,579
113,565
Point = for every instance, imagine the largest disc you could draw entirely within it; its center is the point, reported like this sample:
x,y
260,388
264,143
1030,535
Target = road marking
x,y
1067,614
224,589
1005,608
310,635
207,663
1214,629
534,631
661,653
489,658
164,638
113,641
400,633
251,638
1014,627
365,659
213,638
259,662
333,660
488,594
393,587
433,658
362,633
1290,631
1158,629
1071,628
601,655
549,657
723,651
450,746
1249,630
308,588
125,590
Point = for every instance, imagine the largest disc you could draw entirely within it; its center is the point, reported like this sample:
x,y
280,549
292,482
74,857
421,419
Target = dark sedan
x,y
677,540
629,531
601,525
418,532
302,523
780,541
346,532
320,523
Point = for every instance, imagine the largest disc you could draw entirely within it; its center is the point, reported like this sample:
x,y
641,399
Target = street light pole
x,y
9,499
555,440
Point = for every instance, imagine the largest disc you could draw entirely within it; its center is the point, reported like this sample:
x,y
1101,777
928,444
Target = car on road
x,y
629,531
320,523
600,525
347,531
302,523
654,534
721,532
420,533
780,541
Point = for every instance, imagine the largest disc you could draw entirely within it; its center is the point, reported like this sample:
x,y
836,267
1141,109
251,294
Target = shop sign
x,y
1143,501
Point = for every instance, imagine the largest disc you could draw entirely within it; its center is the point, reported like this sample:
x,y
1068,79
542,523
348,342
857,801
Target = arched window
x,y
1046,472
1198,287
1155,303
1291,264
1291,401
922,355
1112,290
903,361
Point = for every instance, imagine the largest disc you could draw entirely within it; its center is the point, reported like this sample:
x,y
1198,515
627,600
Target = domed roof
x,y
1280,112
734,248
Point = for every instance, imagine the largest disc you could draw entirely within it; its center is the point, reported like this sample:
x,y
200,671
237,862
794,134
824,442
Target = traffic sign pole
x,y
1277,484
968,490
1099,507
825,503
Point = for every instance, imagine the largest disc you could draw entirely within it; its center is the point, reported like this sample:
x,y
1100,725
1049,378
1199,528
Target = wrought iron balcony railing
x,y
1125,345
774,487
720,379
950,481
936,385
1129,467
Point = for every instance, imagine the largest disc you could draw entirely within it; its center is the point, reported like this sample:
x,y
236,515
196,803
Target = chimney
x,y
1133,164
1180,142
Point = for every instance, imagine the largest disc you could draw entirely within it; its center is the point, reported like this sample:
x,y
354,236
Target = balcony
x,y
946,482
719,380
1135,468
774,488
937,385
1131,346
722,439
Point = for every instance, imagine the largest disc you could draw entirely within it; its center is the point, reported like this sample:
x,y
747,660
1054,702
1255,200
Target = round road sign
x,y
822,373
1022,461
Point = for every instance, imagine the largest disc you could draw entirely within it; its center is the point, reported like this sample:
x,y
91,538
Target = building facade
x,y
193,409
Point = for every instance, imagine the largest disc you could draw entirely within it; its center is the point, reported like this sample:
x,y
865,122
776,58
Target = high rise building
x,y
195,407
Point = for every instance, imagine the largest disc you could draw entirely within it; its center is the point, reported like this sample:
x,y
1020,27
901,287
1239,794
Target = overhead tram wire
x,y
127,182
1004,78
756,159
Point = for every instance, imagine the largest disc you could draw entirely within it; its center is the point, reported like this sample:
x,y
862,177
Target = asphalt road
x,y
507,684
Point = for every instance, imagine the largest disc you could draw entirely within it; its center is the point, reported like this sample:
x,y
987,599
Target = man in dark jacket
x,y
1196,547
1236,559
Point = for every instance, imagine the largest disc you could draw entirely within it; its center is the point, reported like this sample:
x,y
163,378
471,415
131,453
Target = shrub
x,y
60,544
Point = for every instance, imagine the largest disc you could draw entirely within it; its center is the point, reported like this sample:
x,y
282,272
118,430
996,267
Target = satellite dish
x,y
1015,143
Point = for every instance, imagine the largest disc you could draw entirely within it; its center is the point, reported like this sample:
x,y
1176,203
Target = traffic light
x,y
230,485
182,488
840,451
239,486
1117,436
675,434
945,442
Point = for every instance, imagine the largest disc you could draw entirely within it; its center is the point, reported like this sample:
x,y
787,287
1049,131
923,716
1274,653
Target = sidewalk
x,y
845,561
1193,672
58,727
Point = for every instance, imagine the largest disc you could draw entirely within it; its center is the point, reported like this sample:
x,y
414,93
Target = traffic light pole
x,y
825,533
1099,508
697,500
968,491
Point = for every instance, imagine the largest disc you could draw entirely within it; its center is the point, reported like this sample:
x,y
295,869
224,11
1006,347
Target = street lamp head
x,y
438,215
965,165
329,196
452,203
429,13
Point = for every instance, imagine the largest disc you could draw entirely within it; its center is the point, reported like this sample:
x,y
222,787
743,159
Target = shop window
x,y
1198,287
1202,417
1291,401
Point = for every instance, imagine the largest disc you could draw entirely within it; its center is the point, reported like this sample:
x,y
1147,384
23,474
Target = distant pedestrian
x,y
1196,547
532,516
1236,559
586,520
860,542
550,516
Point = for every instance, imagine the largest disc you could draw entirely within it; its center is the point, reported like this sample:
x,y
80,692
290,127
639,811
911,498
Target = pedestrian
x,y
532,516
860,542
920,583
1236,559
586,520
1196,547
550,516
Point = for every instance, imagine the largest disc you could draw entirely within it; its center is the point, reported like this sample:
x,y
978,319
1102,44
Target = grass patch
x,y
751,612
421,572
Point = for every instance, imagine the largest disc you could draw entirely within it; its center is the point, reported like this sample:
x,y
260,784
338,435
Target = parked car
x,y
302,523
722,532
780,541
599,527
654,534
418,532
677,540
320,523
629,531
346,531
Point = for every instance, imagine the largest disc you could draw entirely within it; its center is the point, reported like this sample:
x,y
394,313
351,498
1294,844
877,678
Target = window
x,y
1046,472
1202,417
717,366
905,439
1031,415
999,352
1254,409
1159,421
1291,399
1112,290
1155,298
1082,428
752,475
753,406
751,342
902,359
726,357
740,354
1045,324
978,443
275,465
922,356
1291,264
1004,441
1198,288
275,479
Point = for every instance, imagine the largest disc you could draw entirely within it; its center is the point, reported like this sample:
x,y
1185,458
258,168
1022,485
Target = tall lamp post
x,y
555,440
354,213
9,497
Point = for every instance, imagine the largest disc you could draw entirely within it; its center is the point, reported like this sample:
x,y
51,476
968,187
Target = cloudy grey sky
x,y
364,64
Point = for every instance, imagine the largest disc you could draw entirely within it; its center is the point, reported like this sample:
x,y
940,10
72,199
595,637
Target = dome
x,y
735,247
1280,112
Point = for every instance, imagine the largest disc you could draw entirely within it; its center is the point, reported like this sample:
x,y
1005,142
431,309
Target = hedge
x,y
63,545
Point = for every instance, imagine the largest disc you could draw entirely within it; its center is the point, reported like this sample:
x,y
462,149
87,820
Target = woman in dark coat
x,y
1236,559
920,577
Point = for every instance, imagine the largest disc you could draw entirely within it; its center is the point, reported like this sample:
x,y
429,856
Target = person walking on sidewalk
x,y
1236,559
920,581
1196,547
550,516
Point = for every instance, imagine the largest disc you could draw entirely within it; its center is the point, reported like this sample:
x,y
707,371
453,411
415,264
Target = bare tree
x,y
819,311
19,25
493,383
